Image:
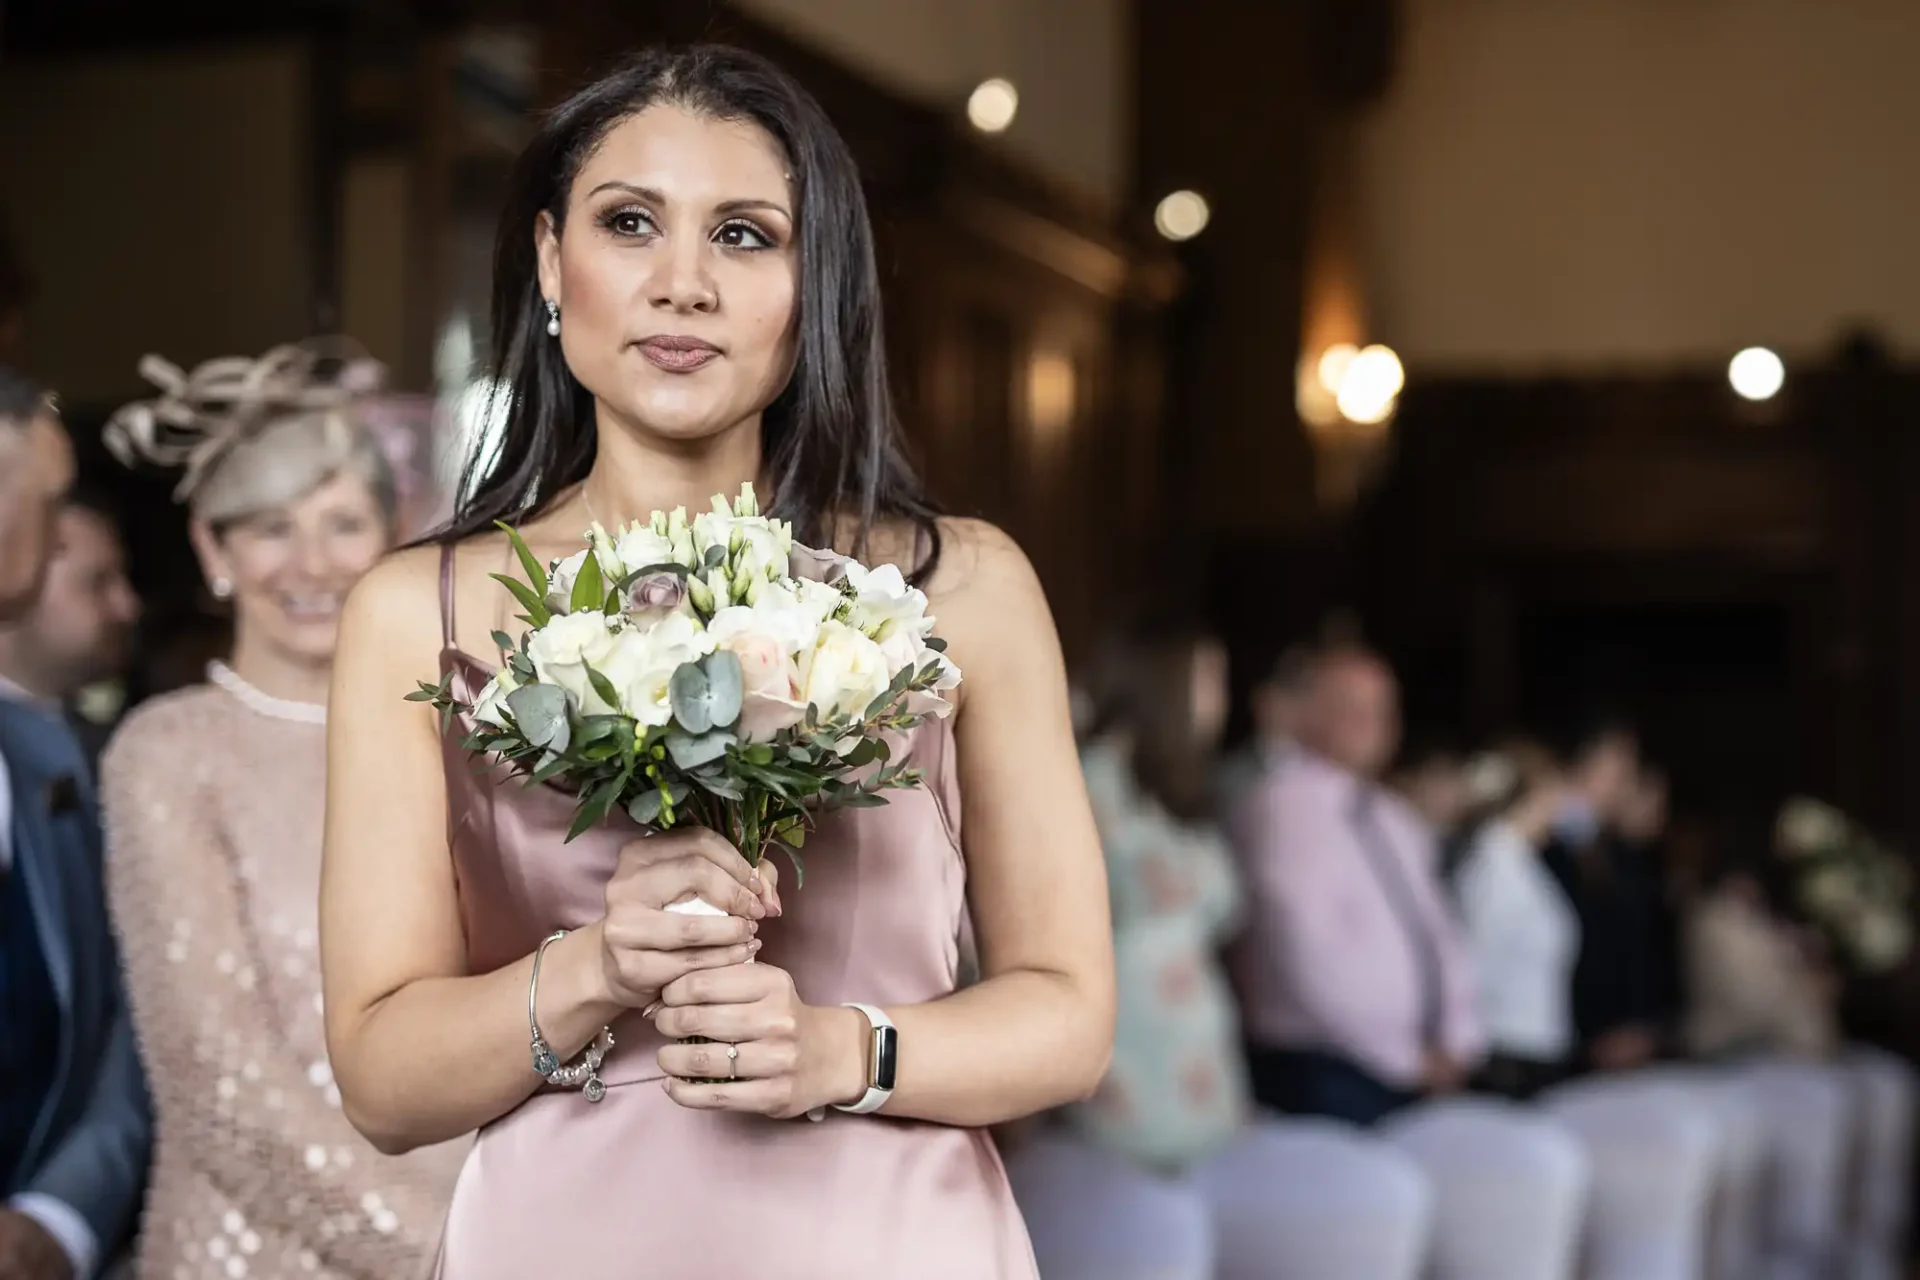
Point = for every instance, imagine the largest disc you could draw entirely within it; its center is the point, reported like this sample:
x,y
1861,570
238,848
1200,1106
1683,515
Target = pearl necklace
x,y
266,704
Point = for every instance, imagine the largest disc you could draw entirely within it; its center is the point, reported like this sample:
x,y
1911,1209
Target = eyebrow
x,y
726,206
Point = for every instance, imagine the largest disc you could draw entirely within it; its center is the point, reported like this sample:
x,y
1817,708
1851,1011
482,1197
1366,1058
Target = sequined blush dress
x,y
636,1187
213,799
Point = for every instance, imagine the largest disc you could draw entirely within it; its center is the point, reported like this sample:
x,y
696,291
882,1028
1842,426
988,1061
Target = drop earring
x,y
553,318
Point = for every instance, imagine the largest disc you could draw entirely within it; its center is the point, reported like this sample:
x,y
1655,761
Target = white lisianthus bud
x,y
684,550
701,594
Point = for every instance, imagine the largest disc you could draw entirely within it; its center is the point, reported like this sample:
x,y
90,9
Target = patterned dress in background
x,y
213,810
1177,1088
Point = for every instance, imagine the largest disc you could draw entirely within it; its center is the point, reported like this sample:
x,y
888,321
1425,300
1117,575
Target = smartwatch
x,y
882,1057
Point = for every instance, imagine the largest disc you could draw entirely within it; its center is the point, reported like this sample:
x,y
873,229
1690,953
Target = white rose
x,y
843,672
883,603
491,706
643,664
639,547
562,650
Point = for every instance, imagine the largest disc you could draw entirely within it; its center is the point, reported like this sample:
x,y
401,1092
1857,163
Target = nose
x,y
310,555
682,281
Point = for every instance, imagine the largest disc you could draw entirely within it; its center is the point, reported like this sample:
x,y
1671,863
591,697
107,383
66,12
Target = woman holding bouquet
x,y
212,800
685,301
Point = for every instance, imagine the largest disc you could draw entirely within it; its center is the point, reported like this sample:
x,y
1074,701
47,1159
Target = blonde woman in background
x,y
213,801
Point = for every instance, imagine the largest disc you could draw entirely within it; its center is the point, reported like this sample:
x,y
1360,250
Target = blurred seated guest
x,y
1622,999
1431,776
1521,929
1359,990
1755,984
1120,1202
74,1125
214,803
1274,702
80,629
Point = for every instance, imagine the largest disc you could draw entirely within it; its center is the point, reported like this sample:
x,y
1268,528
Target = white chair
x,y
1509,1185
1881,1176
1735,1229
1094,1217
1653,1150
1315,1200
1807,1111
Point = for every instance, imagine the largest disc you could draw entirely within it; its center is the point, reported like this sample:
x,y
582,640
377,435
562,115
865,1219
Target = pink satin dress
x,y
636,1187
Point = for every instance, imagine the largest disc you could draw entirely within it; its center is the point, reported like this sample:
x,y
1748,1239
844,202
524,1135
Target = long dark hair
x,y
830,439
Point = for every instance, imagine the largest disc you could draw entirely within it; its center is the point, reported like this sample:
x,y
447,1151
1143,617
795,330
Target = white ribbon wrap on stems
x,y
697,907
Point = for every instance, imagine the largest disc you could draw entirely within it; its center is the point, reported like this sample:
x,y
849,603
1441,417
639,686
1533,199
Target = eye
x,y
628,220
742,234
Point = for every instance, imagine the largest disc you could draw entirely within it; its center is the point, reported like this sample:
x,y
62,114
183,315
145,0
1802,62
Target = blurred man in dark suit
x,y
75,1128
80,630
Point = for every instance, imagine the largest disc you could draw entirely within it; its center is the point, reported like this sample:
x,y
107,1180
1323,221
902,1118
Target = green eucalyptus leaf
x,y
687,692
726,686
723,786
593,810
862,800
690,751
715,557
503,642
935,643
646,807
864,753
541,712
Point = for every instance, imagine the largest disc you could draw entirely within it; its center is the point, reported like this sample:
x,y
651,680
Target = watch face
x,y
885,1048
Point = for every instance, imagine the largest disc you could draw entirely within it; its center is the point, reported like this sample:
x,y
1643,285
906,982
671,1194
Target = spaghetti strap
x,y
446,594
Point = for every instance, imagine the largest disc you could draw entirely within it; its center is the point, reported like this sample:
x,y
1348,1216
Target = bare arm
x,y
422,1051
1037,1030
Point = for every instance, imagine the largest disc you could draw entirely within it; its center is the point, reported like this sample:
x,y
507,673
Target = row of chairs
x,y
1769,1171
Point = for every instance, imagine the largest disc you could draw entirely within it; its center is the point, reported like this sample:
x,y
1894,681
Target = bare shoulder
x,y
396,605
982,573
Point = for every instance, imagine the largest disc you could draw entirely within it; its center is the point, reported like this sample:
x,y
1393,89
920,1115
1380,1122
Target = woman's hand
x,y
791,1056
644,947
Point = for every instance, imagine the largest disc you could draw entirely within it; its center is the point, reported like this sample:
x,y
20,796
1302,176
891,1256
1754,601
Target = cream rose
x,y
842,672
639,547
562,650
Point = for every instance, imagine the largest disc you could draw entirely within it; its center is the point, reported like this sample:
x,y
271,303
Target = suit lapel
x,y
31,746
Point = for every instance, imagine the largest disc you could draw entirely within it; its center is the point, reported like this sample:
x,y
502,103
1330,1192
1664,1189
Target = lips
x,y
678,353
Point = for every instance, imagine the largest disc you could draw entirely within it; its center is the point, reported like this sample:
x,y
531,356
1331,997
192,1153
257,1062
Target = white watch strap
x,y
874,1098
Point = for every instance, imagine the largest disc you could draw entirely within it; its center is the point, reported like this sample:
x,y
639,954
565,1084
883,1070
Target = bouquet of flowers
x,y
709,671
1854,888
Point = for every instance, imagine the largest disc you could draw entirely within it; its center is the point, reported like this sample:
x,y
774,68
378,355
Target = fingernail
x,y
753,926
753,946
753,881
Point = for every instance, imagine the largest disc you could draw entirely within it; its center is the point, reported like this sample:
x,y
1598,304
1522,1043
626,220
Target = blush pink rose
x,y
768,677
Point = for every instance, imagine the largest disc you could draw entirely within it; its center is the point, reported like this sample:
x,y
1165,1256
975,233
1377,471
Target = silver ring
x,y
733,1062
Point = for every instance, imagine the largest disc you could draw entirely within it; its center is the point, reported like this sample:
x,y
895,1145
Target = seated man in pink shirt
x,y
1357,985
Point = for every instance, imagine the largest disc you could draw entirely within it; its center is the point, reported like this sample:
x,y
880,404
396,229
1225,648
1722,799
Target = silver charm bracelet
x,y
583,1072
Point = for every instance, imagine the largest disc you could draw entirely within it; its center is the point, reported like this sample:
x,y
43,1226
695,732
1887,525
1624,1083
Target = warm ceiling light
x,y
993,105
1334,363
1181,215
1371,386
1756,374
